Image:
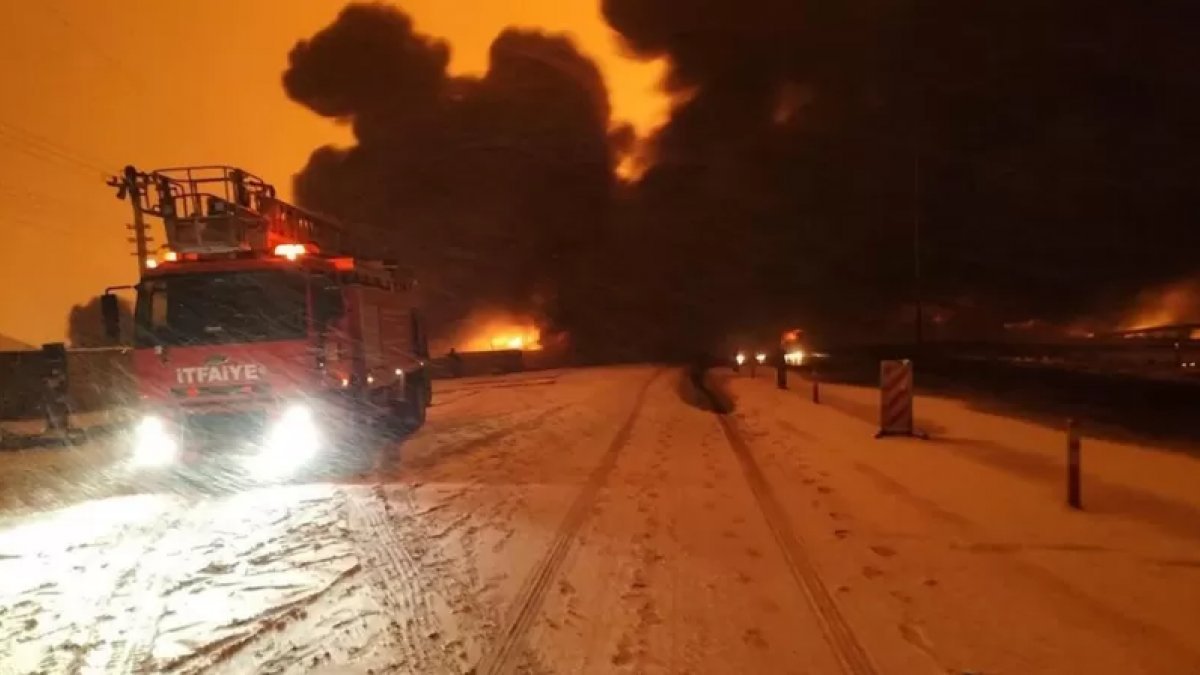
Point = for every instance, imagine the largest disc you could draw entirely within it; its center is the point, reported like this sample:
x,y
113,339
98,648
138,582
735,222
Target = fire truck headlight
x,y
291,442
153,445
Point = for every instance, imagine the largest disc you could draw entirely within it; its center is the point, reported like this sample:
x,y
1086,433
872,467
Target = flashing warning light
x,y
740,358
170,256
760,357
290,251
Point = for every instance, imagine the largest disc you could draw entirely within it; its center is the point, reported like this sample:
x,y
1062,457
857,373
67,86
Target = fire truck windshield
x,y
221,308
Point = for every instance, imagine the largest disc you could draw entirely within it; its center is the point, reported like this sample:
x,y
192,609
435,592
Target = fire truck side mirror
x,y
111,313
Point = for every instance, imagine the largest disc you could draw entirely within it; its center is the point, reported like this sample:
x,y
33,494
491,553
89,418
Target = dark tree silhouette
x,y
85,324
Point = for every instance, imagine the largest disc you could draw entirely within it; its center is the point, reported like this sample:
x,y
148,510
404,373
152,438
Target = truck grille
x,y
225,427
226,390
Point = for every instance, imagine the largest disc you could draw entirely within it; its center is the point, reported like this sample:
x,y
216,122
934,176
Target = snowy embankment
x,y
962,546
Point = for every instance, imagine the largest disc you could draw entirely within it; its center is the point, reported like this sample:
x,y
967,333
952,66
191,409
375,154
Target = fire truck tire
x,y
412,408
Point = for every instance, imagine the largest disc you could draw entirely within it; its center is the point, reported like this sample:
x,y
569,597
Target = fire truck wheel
x,y
412,408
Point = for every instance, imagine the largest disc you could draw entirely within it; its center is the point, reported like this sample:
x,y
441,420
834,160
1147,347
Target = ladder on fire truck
x,y
211,210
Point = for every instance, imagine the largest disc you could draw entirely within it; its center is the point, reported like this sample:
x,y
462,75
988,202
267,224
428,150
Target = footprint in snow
x,y
623,655
754,638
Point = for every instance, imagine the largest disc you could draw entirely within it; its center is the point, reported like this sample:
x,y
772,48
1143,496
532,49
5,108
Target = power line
x,y
35,137
39,226
47,203
43,148
57,160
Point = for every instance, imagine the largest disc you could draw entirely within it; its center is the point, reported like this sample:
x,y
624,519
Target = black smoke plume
x,y
1046,149
1058,162
491,188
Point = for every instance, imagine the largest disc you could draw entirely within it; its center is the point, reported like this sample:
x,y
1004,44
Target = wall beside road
x,y
96,379
471,364
20,383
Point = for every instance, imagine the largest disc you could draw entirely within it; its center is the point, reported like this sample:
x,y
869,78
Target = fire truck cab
x,y
259,324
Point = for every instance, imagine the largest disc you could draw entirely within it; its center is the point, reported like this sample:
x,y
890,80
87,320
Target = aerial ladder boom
x,y
222,209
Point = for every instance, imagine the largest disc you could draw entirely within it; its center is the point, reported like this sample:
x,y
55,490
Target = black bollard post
x,y
1074,499
816,380
781,372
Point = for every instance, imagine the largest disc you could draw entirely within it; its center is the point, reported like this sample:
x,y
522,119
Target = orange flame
x,y
526,339
497,330
1175,303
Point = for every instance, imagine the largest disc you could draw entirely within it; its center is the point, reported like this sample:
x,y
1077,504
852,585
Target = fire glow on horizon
x,y
497,330
516,338
1178,302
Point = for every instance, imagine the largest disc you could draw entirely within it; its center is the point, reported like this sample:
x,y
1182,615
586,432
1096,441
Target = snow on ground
x,y
675,569
37,479
962,546
370,571
597,520
163,583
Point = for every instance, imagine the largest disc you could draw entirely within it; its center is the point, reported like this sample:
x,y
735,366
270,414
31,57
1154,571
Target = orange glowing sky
x,y
92,85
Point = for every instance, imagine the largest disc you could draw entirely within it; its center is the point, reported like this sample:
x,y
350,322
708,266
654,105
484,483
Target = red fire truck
x,y
261,323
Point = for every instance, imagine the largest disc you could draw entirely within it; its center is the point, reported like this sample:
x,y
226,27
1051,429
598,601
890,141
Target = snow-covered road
x,y
598,520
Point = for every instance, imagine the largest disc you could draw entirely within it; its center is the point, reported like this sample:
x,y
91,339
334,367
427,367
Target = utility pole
x,y
128,186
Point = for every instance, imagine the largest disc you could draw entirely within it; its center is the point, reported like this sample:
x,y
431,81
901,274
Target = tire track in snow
x,y
457,583
147,585
838,633
502,657
395,572
93,647
441,455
